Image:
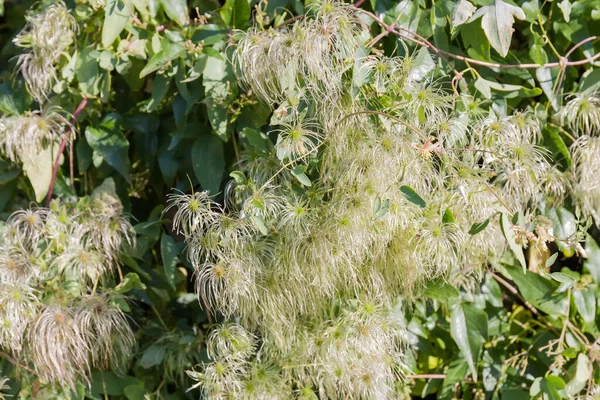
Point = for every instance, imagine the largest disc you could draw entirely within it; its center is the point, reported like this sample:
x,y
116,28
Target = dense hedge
x,y
299,199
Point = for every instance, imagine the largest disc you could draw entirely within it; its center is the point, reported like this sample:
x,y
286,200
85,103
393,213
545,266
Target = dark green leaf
x,y
478,227
176,10
152,356
130,281
469,327
239,177
585,301
592,264
412,196
208,162
539,291
168,52
134,392
108,142
169,251
236,13
556,144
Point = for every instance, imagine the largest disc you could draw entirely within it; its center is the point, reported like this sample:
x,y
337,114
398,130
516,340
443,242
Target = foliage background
x,y
165,112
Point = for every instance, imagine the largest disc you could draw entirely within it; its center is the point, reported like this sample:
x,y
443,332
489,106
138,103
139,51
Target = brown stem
x,y
417,39
290,20
15,362
514,291
427,376
61,149
71,169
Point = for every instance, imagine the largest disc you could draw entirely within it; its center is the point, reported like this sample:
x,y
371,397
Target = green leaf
x,y
109,383
108,142
169,251
497,23
555,143
591,82
592,264
509,235
539,291
260,224
565,6
461,12
130,281
441,291
160,87
551,386
88,73
168,52
551,260
38,168
239,177
564,224
583,371
585,301
152,356
217,79
469,327
131,263
236,13
208,162
544,77
412,196
116,17
537,52
478,227
11,100
299,174
176,10
448,217
134,392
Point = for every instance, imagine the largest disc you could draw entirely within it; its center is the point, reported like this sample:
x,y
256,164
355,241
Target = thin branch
x,y
514,291
290,20
61,149
15,362
420,40
427,376
71,168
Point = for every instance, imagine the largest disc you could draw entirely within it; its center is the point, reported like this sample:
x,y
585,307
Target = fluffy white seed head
x,y
46,37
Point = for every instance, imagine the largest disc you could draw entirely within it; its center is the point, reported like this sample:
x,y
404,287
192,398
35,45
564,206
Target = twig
x,y
15,362
420,40
71,169
104,385
514,291
427,376
162,322
61,149
235,147
290,20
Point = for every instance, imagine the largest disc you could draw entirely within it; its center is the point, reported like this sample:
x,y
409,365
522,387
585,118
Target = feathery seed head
x,y
582,113
47,35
